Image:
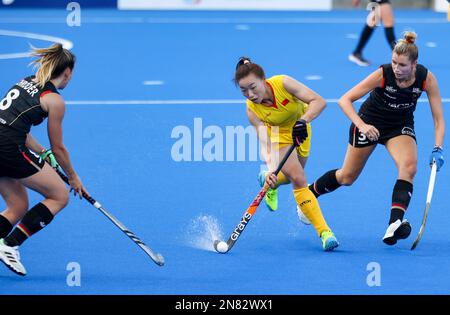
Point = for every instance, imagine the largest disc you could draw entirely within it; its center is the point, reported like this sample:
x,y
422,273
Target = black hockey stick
x,y
157,258
221,246
427,206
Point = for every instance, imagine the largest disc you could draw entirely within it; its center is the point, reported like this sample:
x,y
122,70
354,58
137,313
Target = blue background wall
x,y
58,3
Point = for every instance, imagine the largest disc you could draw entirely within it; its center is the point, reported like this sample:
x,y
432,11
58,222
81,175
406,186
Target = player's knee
x,y
60,197
409,168
21,207
64,198
298,180
18,209
387,19
388,23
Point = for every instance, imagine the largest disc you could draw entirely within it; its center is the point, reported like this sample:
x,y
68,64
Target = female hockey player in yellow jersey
x,y
281,108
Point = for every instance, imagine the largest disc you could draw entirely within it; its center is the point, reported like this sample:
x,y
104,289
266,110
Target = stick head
x,y
419,236
220,246
159,260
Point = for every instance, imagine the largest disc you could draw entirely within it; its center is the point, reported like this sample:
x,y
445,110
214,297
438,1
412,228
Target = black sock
x,y
5,227
325,184
389,31
401,196
34,220
396,214
363,39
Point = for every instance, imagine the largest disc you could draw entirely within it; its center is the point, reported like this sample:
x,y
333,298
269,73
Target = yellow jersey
x,y
283,113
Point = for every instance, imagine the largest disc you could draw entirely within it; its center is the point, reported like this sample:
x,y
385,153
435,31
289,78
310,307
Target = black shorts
x,y
18,161
380,1
359,140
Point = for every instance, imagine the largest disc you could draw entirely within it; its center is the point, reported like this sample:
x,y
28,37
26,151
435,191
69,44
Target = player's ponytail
x,y
52,62
407,46
244,67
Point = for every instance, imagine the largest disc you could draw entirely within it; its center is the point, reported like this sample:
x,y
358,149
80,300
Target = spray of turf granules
x,y
203,231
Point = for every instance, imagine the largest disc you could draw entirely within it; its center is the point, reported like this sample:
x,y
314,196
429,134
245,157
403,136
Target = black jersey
x,y
391,105
21,108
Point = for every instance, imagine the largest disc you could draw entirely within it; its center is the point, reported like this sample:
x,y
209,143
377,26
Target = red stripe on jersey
x,y
274,98
285,102
27,158
45,93
383,80
424,85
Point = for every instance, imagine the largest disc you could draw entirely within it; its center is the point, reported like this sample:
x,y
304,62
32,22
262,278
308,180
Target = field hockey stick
x,y
157,258
427,206
221,246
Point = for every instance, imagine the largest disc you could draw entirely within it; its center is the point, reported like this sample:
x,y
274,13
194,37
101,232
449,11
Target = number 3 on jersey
x,y
10,97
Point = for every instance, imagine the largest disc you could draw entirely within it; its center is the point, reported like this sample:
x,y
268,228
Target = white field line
x,y
193,102
151,20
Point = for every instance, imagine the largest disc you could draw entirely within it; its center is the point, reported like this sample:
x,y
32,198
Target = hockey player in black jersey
x,y
22,165
386,117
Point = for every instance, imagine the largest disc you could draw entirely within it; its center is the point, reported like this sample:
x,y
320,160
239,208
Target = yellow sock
x,y
310,207
282,180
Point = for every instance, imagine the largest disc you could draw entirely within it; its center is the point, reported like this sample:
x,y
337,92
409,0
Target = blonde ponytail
x,y
407,46
52,62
